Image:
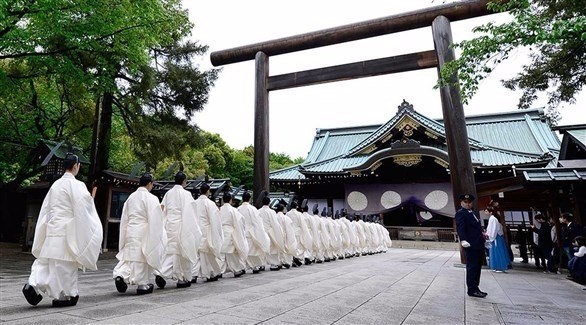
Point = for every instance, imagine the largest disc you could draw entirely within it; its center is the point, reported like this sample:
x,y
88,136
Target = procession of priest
x,y
182,239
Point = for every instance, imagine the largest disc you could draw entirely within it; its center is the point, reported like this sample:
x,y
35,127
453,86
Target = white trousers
x,y
286,258
233,263
176,267
55,278
273,259
209,265
254,262
195,268
138,273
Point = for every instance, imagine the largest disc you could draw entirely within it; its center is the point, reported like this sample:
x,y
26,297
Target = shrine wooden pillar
x,y
260,179
461,172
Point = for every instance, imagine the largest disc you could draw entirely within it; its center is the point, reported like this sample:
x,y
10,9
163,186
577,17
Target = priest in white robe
x,y
275,232
235,246
183,234
302,235
142,239
315,226
68,236
290,247
212,236
256,236
326,240
357,223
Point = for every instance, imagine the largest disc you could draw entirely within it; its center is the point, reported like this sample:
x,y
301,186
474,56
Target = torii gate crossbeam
x,y
439,17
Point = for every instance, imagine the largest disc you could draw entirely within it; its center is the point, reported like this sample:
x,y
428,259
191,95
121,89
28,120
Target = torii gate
x,y
438,17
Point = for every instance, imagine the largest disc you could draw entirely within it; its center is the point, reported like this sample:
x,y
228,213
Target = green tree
x,y
102,59
241,169
554,32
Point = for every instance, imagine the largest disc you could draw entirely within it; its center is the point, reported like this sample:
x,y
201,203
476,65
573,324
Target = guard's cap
x,y
468,197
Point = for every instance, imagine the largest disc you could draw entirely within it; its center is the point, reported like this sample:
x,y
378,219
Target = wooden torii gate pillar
x,y
438,17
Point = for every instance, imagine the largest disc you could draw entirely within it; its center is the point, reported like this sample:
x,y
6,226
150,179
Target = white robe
x,y
212,236
494,228
142,238
344,235
183,234
325,237
386,238
258,240
361,236
318,244
235,246
290,247
304,240
68,236
275,232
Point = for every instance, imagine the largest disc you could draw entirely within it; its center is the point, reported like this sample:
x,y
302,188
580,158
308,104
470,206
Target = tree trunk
x,y
104,135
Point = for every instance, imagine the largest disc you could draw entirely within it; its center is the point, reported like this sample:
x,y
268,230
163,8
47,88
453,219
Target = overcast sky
x,y
295,114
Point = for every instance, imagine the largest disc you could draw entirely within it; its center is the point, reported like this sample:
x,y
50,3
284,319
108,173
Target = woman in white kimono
x,y
207,214
183,235
68,236
498,255
235,246
258,240
142,239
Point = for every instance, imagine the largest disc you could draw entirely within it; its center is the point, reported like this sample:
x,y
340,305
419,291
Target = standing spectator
x,y
570,230
499,259
521,239
539,258
544,242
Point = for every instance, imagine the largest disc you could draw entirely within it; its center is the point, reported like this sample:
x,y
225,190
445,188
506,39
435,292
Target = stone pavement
x,y
402,286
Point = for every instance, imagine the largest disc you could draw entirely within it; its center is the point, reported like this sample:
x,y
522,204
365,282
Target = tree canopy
x,y
86,69
555,34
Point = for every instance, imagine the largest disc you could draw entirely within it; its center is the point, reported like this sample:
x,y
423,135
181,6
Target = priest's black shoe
x,y
32,297
72,301
275,268
143,291
484,293
477,294
121,286
194,279
255,271
161,283
239,273
262,268
285,265
183,284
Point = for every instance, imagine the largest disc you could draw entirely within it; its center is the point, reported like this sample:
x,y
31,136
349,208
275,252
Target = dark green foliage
x,y
554,32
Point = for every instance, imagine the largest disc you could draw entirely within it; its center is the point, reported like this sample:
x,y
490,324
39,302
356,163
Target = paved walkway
x,y
402,286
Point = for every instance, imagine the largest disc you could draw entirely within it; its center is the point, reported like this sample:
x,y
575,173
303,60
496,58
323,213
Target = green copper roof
x,y
521,138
